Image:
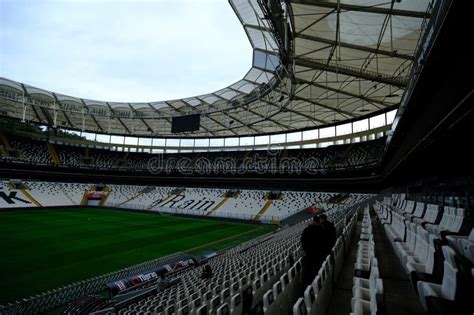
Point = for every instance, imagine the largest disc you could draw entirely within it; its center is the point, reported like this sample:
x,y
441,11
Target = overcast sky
x,y
123,50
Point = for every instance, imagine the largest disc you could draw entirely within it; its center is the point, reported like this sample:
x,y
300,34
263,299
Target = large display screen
x,y
185,123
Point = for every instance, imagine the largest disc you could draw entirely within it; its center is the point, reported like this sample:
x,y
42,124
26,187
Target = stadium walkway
x,y
340,303
400,297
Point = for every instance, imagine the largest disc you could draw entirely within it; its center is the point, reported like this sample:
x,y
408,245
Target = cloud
x,y
123,50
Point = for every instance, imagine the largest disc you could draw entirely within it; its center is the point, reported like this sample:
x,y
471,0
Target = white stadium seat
x,y
449,287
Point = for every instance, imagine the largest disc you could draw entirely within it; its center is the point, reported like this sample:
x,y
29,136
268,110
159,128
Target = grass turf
x,y
42,250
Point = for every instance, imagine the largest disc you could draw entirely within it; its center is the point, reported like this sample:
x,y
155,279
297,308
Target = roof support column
x,y
23,103
55,114
83,127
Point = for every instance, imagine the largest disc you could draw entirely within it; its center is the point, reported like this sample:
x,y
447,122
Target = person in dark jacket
x,y
206,272
329,232
314,247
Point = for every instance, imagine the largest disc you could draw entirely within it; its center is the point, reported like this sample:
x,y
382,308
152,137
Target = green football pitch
x,y
45,249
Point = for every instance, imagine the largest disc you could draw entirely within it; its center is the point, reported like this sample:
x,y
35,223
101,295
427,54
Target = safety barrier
x,y
51,299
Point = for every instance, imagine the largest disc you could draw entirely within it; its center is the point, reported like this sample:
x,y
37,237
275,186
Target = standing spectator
x,y
329,232
314,246
206,272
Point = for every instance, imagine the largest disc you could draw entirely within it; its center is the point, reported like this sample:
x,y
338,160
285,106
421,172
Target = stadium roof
x,y
327,62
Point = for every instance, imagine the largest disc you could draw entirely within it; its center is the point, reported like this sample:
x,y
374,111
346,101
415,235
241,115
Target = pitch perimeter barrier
x,y
51,299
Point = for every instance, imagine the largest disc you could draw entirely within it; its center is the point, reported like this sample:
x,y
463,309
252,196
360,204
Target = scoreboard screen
x,y
186,123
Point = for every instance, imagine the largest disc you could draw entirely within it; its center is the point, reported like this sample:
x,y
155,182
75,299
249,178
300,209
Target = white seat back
x,y
202,310
422,243
196,304
265,281
223,309
448,218
268,306
420,207
457,220
449,284
411,236
430,256
184,310
310,299
431,213
236,304
409,206
225,295
300,308
215,303
169,310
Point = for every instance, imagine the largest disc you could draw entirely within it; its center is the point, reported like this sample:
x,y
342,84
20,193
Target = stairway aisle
x,y
399,295
340,303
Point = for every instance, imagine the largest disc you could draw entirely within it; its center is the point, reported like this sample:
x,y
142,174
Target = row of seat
x,y
263,279
449,224
434,219
242,280
367,287
420,242
316,296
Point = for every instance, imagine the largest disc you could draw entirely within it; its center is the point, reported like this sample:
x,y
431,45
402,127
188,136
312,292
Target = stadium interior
x,y
359,110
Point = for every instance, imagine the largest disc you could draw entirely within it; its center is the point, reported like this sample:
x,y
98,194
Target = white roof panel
x,y
351,58
12,84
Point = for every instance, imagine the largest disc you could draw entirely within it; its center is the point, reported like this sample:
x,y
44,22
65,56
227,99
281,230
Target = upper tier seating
x,y
32,152
322,160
